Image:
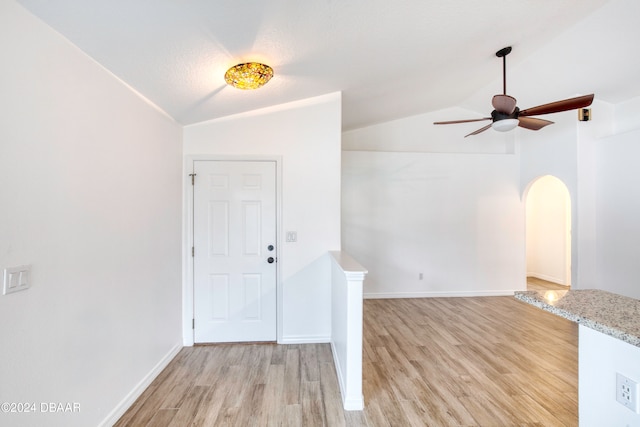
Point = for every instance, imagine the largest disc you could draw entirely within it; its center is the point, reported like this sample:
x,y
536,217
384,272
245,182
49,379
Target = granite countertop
x,y
611,314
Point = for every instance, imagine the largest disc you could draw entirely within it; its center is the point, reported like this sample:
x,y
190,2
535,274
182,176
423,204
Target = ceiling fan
x,y
506,115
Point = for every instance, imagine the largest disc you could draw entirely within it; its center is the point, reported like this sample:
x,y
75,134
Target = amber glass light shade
x,y
250,75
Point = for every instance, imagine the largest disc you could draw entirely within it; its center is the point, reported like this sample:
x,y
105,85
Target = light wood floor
x,y
490,361
535,284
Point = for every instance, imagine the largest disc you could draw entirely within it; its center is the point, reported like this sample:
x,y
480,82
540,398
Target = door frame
x,y
187,240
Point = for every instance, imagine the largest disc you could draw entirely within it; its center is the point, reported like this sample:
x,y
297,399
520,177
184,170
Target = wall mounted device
x,y
627,392
584,114
16,279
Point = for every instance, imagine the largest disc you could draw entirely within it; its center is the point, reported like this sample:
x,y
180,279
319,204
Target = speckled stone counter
x,y
609,313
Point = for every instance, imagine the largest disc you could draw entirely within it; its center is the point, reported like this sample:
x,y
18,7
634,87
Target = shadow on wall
x,y
307,298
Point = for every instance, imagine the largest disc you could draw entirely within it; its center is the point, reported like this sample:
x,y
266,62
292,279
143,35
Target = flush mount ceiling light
x,y
250,75
505,125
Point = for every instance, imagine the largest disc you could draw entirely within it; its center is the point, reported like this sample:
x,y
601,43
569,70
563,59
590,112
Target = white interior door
x,y
234,234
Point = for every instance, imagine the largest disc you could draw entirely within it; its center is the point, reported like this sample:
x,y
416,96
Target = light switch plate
x,y
16,279
292,236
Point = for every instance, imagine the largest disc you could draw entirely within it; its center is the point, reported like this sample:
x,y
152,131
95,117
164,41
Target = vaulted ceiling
x,y
390,59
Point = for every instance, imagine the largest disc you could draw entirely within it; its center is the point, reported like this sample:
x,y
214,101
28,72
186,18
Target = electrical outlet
x,y
627,392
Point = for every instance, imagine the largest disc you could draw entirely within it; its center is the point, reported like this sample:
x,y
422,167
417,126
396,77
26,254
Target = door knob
x,y
270,248
270,260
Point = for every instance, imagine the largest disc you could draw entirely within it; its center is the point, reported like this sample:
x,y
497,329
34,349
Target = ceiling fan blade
x,y
533,123
504,104
482,129
558,106
452,122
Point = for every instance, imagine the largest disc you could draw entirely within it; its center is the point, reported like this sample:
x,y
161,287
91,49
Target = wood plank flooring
x,y
535,284
489,361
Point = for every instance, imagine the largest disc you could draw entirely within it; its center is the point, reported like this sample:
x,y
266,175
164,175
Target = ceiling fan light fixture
x,y
247,76
505,125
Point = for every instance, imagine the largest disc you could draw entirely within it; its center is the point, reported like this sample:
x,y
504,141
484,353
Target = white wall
x,y
617,191
572,150
418,134
90,195
306,134
554,151
626,116
618,213
596,160
407,211
589,133
601,357
457,218
548,230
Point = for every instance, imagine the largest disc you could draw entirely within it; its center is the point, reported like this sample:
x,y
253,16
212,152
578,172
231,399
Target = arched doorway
x,y
548,228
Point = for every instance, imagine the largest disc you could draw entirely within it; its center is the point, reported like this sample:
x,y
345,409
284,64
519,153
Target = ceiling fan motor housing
x,y
497,116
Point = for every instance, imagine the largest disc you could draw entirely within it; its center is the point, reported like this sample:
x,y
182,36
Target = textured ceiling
x,y
390,59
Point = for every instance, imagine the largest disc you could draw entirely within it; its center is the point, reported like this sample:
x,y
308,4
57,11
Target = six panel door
x,y
234,251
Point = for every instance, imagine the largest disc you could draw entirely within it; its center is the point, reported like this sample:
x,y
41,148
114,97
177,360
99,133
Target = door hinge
x,y
193,251
193,178
193,323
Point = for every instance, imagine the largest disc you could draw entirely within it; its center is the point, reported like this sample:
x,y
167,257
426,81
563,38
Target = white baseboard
x,y
353,404
391,295
547,278
131,397
305,339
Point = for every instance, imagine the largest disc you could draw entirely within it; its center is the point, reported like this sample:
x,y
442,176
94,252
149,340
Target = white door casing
x,y
234,237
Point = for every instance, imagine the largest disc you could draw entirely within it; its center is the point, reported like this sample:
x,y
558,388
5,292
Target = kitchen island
x,y
608,345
